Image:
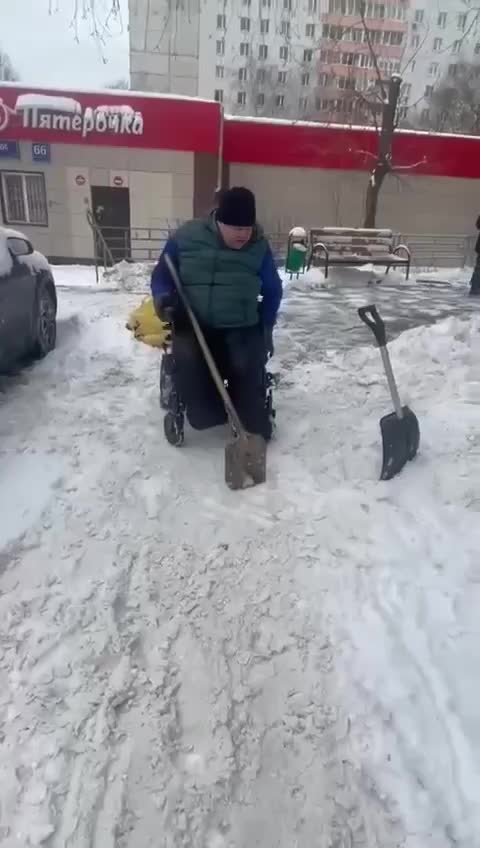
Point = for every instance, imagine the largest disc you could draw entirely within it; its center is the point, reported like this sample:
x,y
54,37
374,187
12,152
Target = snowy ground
x,y
287,667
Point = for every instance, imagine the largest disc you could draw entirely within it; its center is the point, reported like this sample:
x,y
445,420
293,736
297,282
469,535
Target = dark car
x,y
28,301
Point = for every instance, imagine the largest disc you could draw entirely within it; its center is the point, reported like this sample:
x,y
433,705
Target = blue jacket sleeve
x,y
161,283
271,290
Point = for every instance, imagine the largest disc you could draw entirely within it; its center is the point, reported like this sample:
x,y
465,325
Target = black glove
x,y
170,310
165,307
268,336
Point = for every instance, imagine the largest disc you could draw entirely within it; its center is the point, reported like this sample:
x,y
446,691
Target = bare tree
x,y
98,15
120,84
454,105
7,71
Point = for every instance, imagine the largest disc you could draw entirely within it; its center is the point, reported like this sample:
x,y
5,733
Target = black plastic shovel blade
x,y
401,439
245,461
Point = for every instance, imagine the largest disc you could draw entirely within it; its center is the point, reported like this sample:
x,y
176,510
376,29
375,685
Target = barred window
x,y
25,198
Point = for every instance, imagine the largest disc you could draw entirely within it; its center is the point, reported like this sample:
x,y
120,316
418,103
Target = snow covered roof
x,y
334,126
48,101
9,233
122,94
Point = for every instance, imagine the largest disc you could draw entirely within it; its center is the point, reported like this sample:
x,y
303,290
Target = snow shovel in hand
x,y
400,429
246,453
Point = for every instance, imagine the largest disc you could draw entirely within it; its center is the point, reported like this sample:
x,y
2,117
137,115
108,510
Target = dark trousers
x,y
475,281
240,358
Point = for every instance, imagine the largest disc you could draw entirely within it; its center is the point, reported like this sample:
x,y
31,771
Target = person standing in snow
x,y
232,284
475,281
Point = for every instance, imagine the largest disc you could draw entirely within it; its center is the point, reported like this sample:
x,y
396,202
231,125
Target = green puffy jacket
x,y
222,285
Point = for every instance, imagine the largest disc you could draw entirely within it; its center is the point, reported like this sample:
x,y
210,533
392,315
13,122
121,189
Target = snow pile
x,y
296,661
48,102
36,261
116,109
130,276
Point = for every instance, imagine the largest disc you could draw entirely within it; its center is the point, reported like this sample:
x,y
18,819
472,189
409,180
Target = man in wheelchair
x,y
232,284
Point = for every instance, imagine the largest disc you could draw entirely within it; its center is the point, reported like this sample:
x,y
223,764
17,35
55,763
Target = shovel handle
x,y
369,315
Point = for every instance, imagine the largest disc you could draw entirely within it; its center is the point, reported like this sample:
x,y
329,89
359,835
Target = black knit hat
x,y
236,207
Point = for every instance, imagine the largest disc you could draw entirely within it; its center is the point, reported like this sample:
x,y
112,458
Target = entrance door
x,y
111,210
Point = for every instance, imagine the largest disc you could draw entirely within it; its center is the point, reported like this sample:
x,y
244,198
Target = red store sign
x,y
103,118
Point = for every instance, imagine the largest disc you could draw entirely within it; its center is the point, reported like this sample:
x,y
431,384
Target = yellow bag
x,y
146,325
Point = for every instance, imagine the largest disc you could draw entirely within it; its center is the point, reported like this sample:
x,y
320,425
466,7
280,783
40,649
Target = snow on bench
x,y
329,246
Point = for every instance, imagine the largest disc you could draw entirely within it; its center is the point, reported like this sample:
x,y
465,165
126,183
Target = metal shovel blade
x,y
245,461
401,439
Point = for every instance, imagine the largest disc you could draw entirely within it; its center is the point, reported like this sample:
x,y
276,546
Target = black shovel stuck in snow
x,y
400,430
246,453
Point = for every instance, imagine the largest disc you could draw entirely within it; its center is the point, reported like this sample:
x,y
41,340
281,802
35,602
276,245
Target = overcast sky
x,y
43,49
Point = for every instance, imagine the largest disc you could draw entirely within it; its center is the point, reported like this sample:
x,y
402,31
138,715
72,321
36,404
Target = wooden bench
x,y
330,246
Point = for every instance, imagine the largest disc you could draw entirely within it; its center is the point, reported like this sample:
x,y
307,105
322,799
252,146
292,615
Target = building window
x,y
282,77
456,46
323,79
477,48
264,26
262,51
245,24
305,79
415,42
437,44
312,5
244,48
287,4
241,98
260,99
402,112
419,16
221,21
220,47
261,75
395,38
307,55
219,95
303,104
433,69
279,101
428,90
442,20
219,71
267,4
242,74
425,114
461,22
285,28
452,70
25,198
284,54
310,31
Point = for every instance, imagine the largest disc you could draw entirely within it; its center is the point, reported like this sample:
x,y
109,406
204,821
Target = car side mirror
x,y
19,246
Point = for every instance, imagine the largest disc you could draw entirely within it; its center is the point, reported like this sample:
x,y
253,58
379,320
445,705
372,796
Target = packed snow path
x,y
295,665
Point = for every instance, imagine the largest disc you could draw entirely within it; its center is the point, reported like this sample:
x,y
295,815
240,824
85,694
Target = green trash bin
x,y
297,254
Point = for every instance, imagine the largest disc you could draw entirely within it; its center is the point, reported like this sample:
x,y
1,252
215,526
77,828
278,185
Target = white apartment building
x,y
443,34
297,58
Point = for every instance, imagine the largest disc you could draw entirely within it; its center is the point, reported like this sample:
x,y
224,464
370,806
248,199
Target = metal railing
x,y
439,251
144,244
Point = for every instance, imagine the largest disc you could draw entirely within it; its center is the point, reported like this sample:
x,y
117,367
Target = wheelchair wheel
x,y
173,428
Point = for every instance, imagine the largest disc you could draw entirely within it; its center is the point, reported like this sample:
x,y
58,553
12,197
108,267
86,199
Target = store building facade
x,y
139,164
136,163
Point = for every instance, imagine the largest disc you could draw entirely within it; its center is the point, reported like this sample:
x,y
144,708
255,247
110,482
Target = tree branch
x,y
363,7
412,167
